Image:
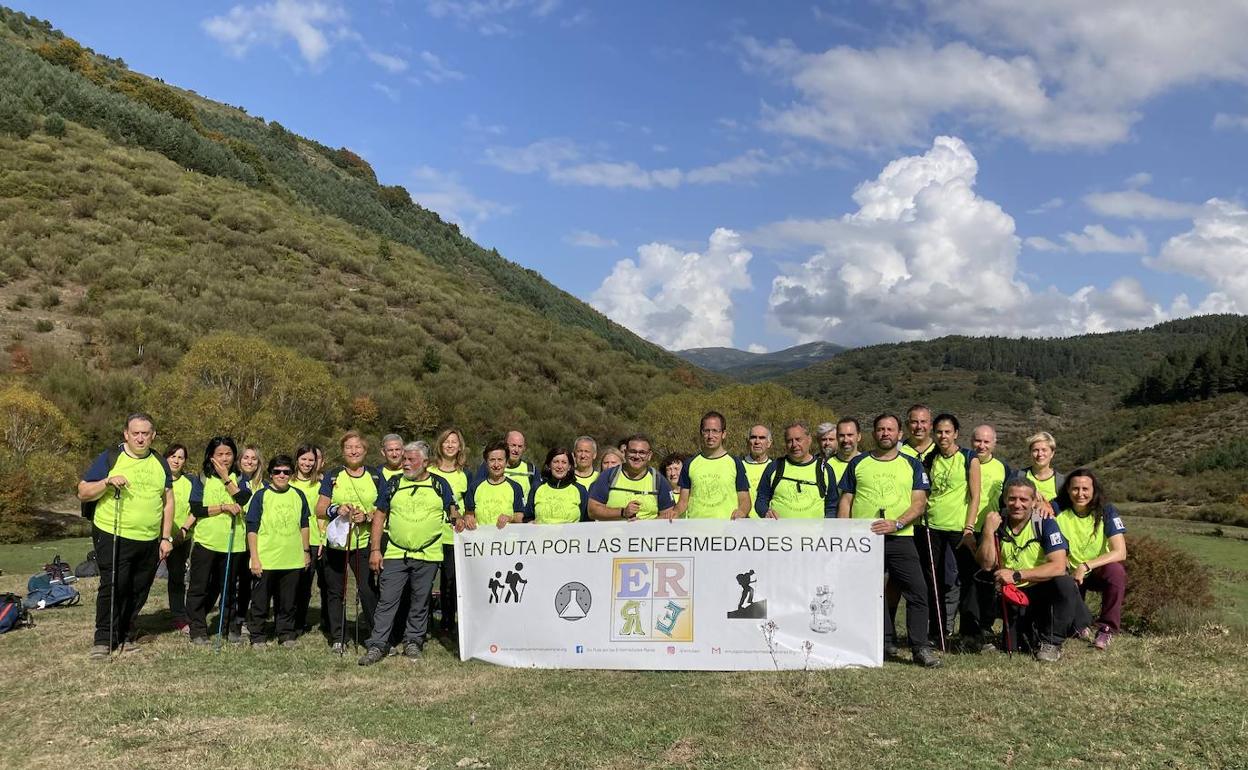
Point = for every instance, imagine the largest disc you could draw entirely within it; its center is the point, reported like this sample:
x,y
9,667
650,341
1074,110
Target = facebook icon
x,y
580,648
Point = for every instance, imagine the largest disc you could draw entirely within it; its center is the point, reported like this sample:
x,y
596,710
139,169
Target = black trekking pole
x,y
1005,607
355,570
936,592
112,588
225,585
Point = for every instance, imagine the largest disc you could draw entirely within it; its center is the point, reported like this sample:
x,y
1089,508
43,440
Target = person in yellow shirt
x,y
891,488
308,481
278,518
558,499
713,484
127,495
584,452
175,563
451,456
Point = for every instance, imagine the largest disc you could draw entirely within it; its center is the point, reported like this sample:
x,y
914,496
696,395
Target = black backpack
x,y
87,507
90,567
821,479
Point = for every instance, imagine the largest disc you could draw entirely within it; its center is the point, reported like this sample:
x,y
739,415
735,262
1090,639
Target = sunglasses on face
x,y
281,472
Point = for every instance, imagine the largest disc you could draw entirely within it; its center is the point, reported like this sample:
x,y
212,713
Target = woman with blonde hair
x,y
1041,473
347,500
450,454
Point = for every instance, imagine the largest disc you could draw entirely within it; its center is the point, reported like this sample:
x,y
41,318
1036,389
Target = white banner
x,y
712,595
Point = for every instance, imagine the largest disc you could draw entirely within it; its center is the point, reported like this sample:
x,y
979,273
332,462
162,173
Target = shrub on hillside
x,y
673,420
35,444
1163,584
244,387
54,125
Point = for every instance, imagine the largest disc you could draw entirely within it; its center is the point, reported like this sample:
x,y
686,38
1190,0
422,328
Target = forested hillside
x,y
1087,391
136,220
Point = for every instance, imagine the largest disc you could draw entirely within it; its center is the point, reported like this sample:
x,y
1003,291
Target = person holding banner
x,y
495,498
411,510
1030,555
887,485
518,468
634,490
558,499
796,486
713,484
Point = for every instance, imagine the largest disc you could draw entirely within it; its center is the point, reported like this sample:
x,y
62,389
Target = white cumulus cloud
x,y
1061,73
310,24
444,193
589,240
391,64
1137,204
1096,239
924,255
678,299
1215,250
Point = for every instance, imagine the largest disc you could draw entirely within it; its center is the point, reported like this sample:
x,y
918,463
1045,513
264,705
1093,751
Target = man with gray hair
x,y
584,452
411,511
825,434
796,486
392,451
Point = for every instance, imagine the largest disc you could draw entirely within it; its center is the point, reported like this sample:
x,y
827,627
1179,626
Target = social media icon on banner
x,y
580,648
671,650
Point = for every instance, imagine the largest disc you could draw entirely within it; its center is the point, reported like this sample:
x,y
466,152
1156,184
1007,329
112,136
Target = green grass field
x,y
1174,701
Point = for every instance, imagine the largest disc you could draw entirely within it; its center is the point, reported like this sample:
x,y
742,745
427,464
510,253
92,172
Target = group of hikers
x,y
967,539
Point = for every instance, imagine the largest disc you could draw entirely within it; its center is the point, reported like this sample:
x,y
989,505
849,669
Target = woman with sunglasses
x,y
277,543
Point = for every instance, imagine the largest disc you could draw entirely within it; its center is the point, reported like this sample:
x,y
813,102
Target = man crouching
x,y
1032,556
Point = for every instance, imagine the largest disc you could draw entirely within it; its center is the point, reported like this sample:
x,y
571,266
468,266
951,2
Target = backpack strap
x,y
87,507
821,479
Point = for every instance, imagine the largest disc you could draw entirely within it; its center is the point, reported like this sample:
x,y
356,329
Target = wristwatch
x,y
1018,577
167,539
897,525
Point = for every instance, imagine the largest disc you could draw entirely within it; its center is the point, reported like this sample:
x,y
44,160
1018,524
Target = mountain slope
x,y
131,228
756,367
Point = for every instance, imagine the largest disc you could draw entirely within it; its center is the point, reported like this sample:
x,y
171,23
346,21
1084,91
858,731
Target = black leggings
x,y
203,590
337,563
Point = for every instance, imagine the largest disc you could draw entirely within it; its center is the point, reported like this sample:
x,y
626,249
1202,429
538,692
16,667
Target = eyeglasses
x,y
280,472
637,452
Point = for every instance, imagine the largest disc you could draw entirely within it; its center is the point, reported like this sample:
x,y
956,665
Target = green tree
x,y
229,384
54,125
672,420
35,464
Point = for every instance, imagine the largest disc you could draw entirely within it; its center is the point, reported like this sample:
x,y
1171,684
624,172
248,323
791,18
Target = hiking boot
x,y
1049,653
374,655
131,646
890,651
412,651
338,648
1085,634
926,657
201,641
236,637
99,652
290,643
1103,638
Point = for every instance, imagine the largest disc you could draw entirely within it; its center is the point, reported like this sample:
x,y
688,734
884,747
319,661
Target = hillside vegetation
x,y
138,218
1086,391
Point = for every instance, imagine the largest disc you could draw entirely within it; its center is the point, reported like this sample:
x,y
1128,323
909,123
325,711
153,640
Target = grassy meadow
x,y
1176,700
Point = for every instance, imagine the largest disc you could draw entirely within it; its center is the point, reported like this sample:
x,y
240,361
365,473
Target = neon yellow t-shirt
x,y
991,483
713,484
417,513
213,532
279,537
947,502
458,480
885,485
316,527
142,500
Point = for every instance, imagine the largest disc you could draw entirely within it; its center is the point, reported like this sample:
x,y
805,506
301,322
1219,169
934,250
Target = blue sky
x,y
761,174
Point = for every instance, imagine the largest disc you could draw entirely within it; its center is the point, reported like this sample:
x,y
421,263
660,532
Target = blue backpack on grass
x,y
42,593
12,613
